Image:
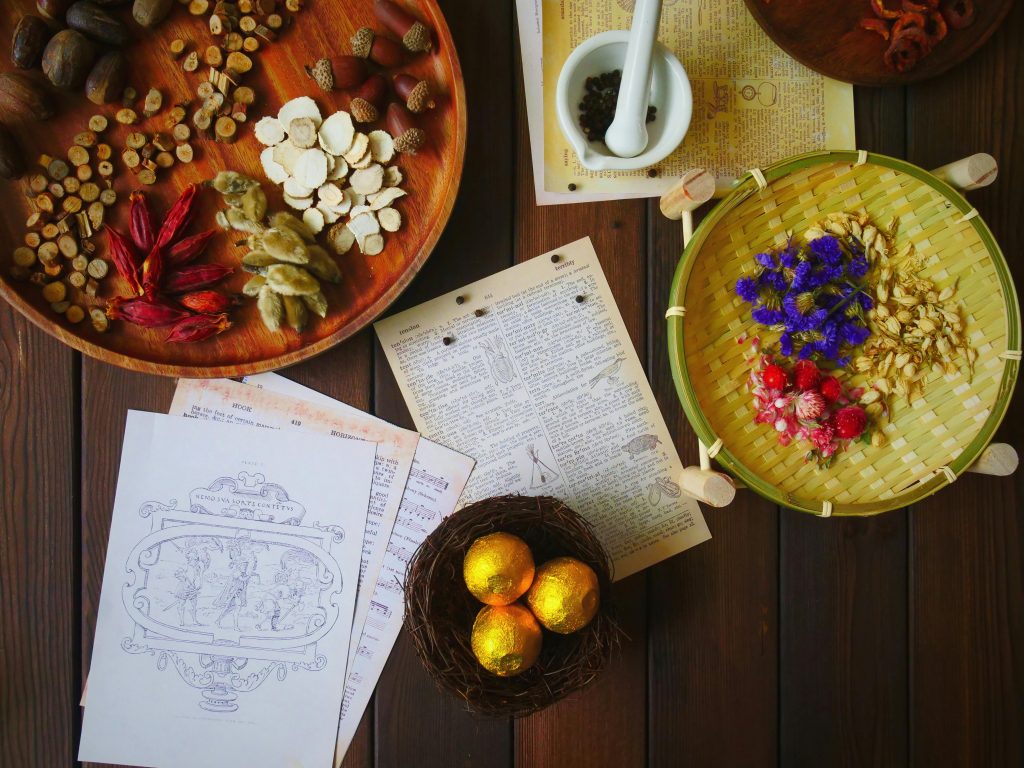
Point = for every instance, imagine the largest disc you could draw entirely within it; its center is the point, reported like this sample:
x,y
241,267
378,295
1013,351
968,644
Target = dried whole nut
x,y
368,99
68,58
415,34
12,159
95,23
381,50
28,42
23,99
408,137
107,79
415,93
149,13
53,10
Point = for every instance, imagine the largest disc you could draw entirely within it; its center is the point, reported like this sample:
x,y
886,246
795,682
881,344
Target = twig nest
x,y
446,620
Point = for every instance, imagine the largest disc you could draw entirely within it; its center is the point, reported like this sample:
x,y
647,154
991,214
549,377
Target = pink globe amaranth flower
x,y
781,425
809,405
822,439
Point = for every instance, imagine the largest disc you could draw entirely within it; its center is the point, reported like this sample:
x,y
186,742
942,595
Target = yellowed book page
x,y
548,395
752,103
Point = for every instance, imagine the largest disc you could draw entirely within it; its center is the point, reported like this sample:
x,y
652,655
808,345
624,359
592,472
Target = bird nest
x,y
439,609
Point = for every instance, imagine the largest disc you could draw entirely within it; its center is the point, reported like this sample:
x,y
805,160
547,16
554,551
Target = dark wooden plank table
x,y
786,640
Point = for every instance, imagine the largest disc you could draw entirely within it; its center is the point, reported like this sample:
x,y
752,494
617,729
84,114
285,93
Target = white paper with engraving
x,y
436,481
227,596
548,395
226,400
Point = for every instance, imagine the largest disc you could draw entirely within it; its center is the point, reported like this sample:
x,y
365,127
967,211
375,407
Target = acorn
x,y
22,99
366,44
53,10
95,23
415,34
322,73
368,100
402,127
415,93
29,40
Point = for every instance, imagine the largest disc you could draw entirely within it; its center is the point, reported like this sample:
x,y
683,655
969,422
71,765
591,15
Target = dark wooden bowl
x,y
370,284
826,36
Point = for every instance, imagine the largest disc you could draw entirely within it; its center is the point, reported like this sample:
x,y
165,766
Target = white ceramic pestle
x,y
627,135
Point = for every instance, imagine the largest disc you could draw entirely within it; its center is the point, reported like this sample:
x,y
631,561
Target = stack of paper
x,y
253,586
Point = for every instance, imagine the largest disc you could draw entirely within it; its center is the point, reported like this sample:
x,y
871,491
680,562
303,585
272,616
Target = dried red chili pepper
x,y
179,217
141,223
188,250
195,277
207,302
125,259
152,272
148,314
198,328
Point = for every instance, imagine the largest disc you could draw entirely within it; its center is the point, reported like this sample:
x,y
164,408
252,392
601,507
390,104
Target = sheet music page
x,y
226,400
547,393
229,584
436,481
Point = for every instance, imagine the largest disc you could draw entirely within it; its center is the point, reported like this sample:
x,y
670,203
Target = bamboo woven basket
x,y
930,442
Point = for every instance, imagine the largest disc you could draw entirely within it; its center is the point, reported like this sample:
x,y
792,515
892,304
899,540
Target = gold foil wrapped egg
x,y
498,568
506,639
565,595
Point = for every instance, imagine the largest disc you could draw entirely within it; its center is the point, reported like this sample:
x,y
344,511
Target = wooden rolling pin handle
x,y
972,172
713,488
695,188
998,459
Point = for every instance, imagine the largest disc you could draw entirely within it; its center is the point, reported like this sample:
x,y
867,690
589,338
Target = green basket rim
x,y
684,388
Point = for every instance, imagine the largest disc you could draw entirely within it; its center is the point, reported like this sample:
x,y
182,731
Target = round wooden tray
x,y
826,36
948,427
370,284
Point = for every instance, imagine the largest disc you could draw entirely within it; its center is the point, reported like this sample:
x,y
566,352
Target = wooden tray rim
x,y
358,323
684,387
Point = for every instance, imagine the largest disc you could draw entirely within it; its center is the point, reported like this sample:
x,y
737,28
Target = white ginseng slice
x,y
382,146
390,219
364,162
339,170
298,203
372,245
355,197
295,188
271,168
287,155
368,180
360,146
341,239
300,107
269,132
392,176
359,210
337,133
311,168
314,219
331,194
384,198
364,224
329,214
